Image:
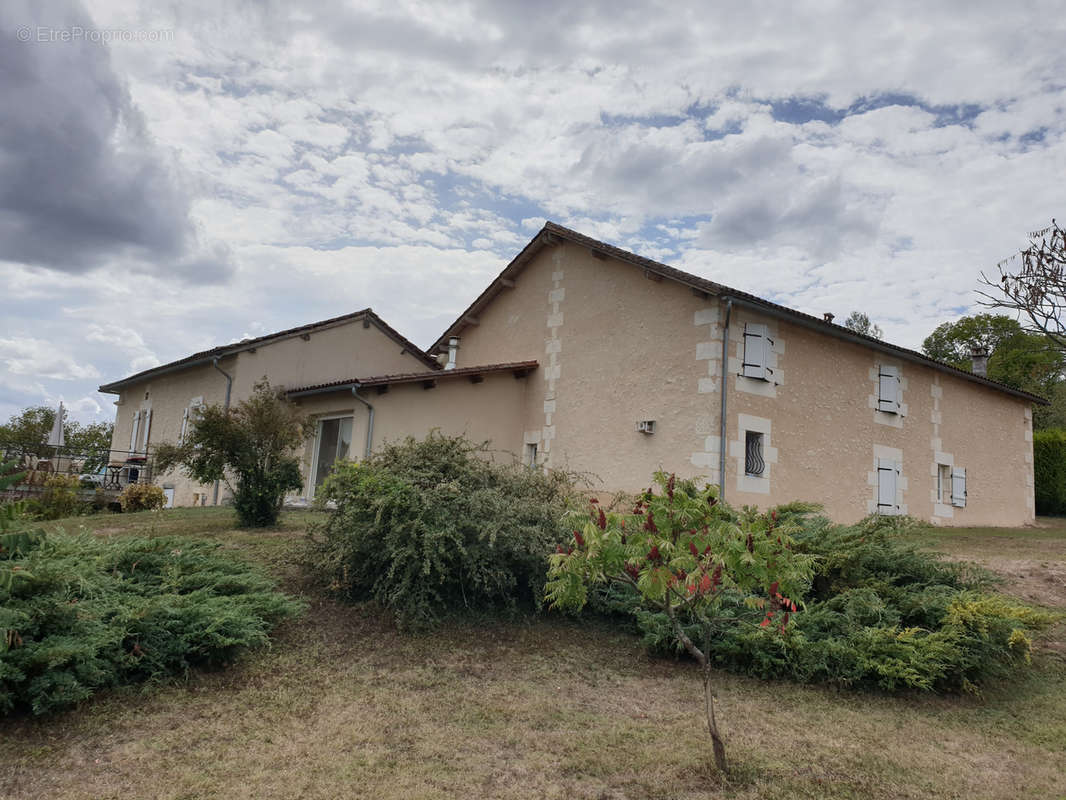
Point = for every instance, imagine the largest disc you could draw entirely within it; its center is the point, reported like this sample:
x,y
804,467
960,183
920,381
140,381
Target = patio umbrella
x,y
55,438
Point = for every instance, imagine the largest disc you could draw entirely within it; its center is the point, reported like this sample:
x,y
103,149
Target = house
x,y
583,356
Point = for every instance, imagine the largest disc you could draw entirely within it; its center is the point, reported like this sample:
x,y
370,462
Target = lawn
x,y
343,705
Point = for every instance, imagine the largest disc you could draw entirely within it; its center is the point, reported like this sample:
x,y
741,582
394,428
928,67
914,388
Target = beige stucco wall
x,y
167,397
347,350
485,411
617,347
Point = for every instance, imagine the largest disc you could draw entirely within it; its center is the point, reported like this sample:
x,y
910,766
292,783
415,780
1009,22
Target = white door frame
x,y
312,473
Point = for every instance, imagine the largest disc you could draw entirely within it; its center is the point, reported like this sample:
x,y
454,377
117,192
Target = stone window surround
x,y
881,452
773,352
885,417
753,484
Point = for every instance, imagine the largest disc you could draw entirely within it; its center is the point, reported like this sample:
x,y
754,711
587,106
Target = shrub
x,y
59,498
142,497
88,613
429,527
880,613
1049,471
250,447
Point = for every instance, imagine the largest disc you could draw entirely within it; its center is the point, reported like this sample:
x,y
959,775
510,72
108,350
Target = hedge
x,y
1049,467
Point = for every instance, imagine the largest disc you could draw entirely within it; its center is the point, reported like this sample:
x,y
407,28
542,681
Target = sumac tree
x,y
682,555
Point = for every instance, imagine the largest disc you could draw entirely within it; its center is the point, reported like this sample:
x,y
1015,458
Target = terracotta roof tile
x,y
415,377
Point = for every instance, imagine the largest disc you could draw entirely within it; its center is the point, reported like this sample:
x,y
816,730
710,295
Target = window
x,y
757,346
531,455
943,483
888,393
332,444
887,483
754,464
958,487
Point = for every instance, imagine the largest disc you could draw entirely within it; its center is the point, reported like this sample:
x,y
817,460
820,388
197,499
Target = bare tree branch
x,y
1033,282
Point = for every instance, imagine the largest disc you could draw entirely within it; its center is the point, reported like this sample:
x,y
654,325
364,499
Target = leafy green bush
x,y
79,614
879,613
250,447
142,497
1049,471
58,499
429,527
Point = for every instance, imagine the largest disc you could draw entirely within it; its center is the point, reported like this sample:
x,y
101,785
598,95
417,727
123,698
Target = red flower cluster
x,y
777,602
579,539
649,523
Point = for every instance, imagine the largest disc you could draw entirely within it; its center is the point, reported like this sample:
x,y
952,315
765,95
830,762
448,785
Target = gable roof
x,y
207,356
552,234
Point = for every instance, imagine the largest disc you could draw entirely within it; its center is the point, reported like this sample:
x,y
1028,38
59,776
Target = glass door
x,y
332,444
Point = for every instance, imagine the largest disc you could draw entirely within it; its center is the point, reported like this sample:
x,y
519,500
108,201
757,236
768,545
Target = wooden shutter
x,y
756,349
134,430
184,426
888,389
147,430
958,487
887,481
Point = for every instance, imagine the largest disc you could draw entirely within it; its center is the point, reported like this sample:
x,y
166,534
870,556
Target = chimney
x,y
827,317
453,352
979,354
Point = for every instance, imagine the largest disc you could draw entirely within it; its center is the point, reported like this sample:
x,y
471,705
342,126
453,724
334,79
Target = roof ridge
x,y
550,229
244,344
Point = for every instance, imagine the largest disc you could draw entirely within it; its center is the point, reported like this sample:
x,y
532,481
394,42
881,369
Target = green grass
x,y
343,705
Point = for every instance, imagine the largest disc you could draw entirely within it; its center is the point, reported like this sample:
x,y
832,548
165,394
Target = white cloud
x,y
37,357
834,157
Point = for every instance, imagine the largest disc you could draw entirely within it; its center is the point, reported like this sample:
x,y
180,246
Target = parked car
x,y
94,480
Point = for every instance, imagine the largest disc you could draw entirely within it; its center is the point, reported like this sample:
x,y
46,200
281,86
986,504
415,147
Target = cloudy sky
x,y
177,176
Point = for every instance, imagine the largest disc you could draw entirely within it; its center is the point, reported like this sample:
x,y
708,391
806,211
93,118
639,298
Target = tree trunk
x,y
708,698
712,724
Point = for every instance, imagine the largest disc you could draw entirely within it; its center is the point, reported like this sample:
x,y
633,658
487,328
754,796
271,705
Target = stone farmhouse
x,y
583,356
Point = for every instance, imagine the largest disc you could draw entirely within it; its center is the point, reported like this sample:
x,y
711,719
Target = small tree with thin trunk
x,y
679,553
251,447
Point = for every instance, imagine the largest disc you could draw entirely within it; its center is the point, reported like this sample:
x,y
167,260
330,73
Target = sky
x,y
176,176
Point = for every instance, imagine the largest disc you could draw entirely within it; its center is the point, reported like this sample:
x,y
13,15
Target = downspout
x,y
229,389
725,387
370,418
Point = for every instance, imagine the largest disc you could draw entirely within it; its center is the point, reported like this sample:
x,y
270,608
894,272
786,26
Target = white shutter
x,y
147,430
888,389
958,487
887,481
135,430
184,426
756,349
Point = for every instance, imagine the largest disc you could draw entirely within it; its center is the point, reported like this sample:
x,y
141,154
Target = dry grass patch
x,y
343,705
1031,561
